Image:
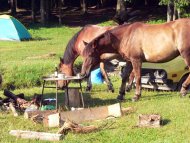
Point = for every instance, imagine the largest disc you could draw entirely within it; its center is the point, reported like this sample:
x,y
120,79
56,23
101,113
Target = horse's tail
x,y
70,52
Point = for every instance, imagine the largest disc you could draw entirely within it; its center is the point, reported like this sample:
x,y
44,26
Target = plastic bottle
x,y
56,72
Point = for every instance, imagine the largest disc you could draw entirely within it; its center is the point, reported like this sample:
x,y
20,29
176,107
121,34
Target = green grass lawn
x,y
18,63
20,68
173,109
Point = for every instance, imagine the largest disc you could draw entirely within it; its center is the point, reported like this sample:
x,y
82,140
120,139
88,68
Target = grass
x,y
22,71
174,111
17,65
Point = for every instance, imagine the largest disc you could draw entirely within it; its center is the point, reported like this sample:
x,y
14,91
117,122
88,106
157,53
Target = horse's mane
x,y
69,51
88,49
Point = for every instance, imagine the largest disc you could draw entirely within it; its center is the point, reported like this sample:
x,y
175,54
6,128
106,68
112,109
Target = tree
x,y
120,7
13,7
43,11
174,8
33,14
99,3
83,6
170,10
61,3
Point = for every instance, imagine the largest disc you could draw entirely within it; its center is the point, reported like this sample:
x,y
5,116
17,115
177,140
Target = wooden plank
x,y
73,99
30,114
88,114
54,120
127,110
36,135
149,120
13,109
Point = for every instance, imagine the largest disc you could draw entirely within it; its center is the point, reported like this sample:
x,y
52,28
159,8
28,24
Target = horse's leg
x,y
131,78
105,75
89,84
125,78
186,83
130,83
137,72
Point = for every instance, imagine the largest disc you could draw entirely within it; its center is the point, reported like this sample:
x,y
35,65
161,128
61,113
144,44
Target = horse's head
x,y
65,69
93,51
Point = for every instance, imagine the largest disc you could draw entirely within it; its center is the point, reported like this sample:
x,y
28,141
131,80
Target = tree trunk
x,y
42,11
60,5
178,12
13,7
120,6
174,13
170,10
33,14
47,7
146,3
16,4
83,6
100,3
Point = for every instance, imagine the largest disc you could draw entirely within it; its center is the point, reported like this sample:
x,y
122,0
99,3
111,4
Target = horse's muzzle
x,y
83,75
62,84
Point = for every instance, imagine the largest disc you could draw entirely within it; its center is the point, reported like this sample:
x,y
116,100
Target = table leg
x,y
56,106
67,93
43,85
81,93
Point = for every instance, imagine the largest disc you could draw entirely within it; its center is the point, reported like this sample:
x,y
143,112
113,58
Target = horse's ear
x,y
107,36
95,43
85,43
61,60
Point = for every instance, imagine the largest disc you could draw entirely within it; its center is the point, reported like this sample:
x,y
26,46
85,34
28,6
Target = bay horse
x,y
140,42
75,48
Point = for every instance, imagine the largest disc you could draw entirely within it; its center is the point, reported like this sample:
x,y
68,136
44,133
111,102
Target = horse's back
x,y
88,33
164,42
157,42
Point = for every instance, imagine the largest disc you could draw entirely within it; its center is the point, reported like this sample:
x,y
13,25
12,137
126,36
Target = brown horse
x,y
75,48
139,42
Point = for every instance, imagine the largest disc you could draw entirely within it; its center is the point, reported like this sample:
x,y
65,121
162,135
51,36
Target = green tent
x,y
13,30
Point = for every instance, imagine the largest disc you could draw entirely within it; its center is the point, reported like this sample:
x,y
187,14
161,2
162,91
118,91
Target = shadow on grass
x,y
165,122
40,39
89,101
160,95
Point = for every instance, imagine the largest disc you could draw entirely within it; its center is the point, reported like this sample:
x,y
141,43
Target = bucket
x,y
73,98
96,76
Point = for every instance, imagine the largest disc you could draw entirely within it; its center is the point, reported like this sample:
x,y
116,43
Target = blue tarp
x,y
12,29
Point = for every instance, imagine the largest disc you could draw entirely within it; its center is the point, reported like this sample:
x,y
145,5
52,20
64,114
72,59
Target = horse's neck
x,y
70,57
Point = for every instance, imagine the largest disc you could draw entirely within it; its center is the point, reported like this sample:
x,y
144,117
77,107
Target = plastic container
x,y
96,76
47,107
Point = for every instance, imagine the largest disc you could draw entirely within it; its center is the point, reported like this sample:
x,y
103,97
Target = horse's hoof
x,y
110,88
88,88
183,92
135,99
120,98
127,89
183,95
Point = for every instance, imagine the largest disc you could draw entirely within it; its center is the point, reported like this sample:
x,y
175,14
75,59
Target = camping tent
x,y
12,29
